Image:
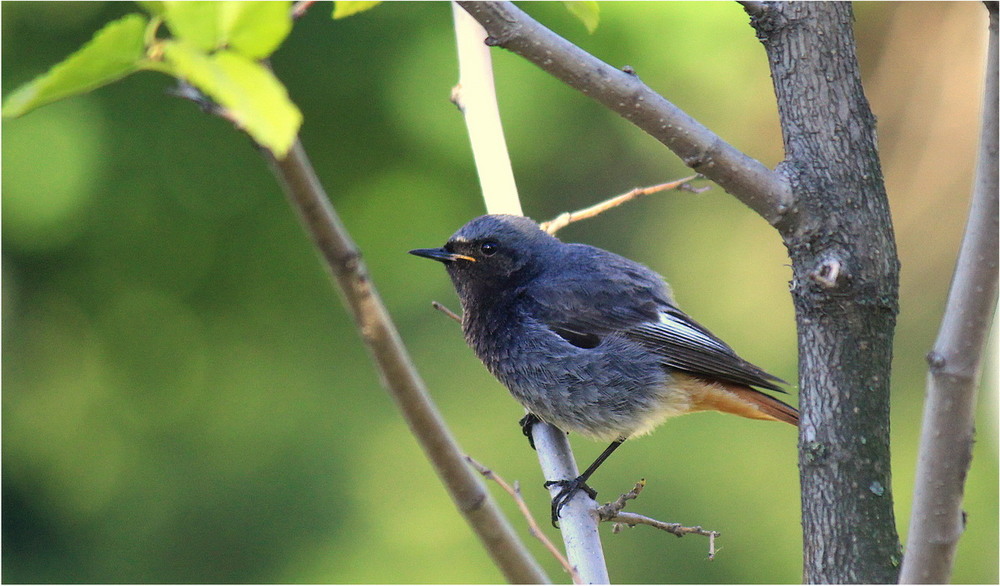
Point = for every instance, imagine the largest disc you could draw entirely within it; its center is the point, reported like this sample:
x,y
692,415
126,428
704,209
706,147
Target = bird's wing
x,y
609,294
593,292
686,345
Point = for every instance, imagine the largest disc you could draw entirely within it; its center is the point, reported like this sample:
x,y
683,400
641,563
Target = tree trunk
x,y
845,289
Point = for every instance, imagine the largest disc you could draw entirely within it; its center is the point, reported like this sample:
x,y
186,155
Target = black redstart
x,y
590,341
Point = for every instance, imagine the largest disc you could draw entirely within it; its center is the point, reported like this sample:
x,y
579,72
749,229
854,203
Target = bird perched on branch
x,y
590,341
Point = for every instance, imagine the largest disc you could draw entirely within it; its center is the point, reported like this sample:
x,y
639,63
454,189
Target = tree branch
x,y
765,191
343,259
753,7
476,97
937,520
578,526
577,521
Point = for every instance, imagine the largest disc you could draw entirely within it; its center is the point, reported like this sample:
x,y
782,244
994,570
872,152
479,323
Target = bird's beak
x,y
441,255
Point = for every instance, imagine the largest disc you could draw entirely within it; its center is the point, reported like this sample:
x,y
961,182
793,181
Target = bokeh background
x,y
186,400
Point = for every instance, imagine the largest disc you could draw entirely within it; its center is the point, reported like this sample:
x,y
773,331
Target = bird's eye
x,y
489,248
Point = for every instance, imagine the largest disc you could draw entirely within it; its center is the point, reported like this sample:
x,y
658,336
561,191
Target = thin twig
x,y
566,218
612,513
300,8
446,311
186,91
633,519
533,528
609,510
342,258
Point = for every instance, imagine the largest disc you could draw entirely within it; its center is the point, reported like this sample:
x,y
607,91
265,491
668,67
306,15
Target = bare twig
x,y
533,528
633,519
937,521
609,510
446,311
299,8
566,218
612,512
342,259
765,191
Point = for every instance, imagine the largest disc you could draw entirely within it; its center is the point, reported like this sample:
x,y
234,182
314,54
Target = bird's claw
x,y
526,423
568,489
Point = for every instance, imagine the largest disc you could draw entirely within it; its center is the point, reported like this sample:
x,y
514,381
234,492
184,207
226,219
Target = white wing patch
x,y
685,331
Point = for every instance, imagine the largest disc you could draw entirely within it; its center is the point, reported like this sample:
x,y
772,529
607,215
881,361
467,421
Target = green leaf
x,y
587,11
116,50
153,7
197,23
255,29
254,98
345,9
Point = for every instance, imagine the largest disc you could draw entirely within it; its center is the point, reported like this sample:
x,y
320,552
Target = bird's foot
x,y
568,489
526,423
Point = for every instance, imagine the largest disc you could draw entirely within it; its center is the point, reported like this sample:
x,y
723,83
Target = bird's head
x,y
492,254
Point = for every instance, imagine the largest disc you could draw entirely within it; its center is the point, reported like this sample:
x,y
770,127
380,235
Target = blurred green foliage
x,y
185,400
216,47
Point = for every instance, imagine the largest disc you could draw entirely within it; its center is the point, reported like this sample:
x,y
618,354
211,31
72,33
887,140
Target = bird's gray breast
x,y
603,392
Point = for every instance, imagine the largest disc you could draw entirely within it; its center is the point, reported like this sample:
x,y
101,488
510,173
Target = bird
x,y
590,341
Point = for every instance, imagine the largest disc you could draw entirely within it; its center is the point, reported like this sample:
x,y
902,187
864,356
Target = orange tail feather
x,y
743,401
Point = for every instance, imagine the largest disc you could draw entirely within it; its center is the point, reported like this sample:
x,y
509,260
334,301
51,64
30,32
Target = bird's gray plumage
x,y
584,338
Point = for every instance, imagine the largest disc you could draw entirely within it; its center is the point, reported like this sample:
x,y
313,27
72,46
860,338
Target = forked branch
x,y
764,190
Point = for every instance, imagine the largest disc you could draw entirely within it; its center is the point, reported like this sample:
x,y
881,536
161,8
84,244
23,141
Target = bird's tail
x,y
743,401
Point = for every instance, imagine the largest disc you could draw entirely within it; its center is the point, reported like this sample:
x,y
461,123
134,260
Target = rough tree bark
x,y
845,289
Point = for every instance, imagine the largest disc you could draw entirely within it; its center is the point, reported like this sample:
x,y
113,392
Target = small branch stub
x,y
446,311
828,274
